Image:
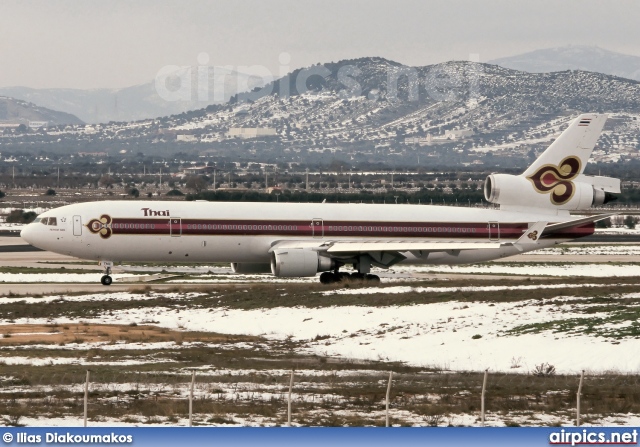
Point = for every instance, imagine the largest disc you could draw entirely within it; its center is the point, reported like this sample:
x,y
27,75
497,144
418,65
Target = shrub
x,y
544,370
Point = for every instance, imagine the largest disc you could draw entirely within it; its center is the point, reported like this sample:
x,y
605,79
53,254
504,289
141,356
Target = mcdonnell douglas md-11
x,y
303,239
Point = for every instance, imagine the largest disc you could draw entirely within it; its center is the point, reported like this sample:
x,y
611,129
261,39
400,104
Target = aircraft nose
x,y
27,234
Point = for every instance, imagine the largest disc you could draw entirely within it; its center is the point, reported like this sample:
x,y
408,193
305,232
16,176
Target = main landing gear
x,y
106,279
362,267
336,276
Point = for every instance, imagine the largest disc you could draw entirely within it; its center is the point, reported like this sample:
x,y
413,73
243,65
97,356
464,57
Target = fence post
x,y
578,399
289,401
193,380
86,397
484,388
387,400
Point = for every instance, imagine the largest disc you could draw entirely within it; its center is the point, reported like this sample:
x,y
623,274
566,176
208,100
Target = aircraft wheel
x,y
328,278
106,280
357,276
374,279
343,276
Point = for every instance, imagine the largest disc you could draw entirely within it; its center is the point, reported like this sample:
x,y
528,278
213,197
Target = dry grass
x,y
245,378
343,395
25,334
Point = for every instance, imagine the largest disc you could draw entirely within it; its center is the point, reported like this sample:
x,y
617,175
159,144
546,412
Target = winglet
x,y
531,236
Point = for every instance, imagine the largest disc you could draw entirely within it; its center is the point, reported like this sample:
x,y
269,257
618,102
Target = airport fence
x,y
306,397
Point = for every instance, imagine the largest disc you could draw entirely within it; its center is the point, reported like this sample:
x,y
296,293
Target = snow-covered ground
x,y
564,270
450,335
588,250
21,278
618,230
459,420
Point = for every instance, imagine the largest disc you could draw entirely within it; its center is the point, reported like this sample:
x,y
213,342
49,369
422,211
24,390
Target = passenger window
x,y
53,221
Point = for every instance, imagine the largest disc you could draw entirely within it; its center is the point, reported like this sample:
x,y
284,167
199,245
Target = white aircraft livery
x,y
303,239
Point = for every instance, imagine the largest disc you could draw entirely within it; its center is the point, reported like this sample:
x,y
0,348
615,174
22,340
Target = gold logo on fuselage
x,y
101,226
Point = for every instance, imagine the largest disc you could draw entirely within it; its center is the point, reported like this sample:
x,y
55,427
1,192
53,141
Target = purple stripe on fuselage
x,y
216,227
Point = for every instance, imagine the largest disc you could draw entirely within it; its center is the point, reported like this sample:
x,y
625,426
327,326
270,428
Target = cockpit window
x,y
38,219
48,221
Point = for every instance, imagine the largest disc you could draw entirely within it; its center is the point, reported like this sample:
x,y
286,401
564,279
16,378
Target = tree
x,y
106,181
133,192
50,192
630,222
20,216
2,194
196,183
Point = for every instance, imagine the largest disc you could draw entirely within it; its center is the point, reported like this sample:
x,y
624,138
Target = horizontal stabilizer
x,y
607,184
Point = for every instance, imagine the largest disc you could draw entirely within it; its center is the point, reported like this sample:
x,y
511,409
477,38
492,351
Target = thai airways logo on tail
x,y
557,180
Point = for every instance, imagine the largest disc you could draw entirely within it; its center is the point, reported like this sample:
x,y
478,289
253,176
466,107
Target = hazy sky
x,y
107,43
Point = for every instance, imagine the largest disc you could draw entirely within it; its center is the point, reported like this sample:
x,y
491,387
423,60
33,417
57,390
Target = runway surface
x,y
16,253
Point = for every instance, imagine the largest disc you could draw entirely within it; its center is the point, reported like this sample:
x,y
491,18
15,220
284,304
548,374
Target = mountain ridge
x,y
141,101
574,57
374,109
14,110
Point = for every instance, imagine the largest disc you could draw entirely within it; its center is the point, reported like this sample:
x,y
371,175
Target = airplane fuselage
x,y
158,231
303,239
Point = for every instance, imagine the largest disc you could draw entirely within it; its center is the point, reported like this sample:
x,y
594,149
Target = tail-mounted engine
x,y
550,189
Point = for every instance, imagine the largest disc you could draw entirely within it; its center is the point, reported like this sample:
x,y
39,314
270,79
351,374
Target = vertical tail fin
x,y
578,141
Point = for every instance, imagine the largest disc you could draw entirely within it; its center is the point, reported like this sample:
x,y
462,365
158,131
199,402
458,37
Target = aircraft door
x,y
494,231
317,228
77,225
175,226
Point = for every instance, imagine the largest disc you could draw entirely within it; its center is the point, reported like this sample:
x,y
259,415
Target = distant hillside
x,y
140,101
16,111
576,57
374,110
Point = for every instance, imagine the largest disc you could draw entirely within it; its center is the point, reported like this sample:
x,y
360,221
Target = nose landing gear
x,y
106,279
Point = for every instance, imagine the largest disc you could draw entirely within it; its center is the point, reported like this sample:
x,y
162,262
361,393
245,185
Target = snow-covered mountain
x,y
145,100
22,112
373,109
574,57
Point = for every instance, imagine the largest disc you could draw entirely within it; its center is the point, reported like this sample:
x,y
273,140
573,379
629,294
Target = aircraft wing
x,y
360,247
350,247
576,222
383,253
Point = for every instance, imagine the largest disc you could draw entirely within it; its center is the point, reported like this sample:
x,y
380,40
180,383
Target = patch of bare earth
x,y
21,334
